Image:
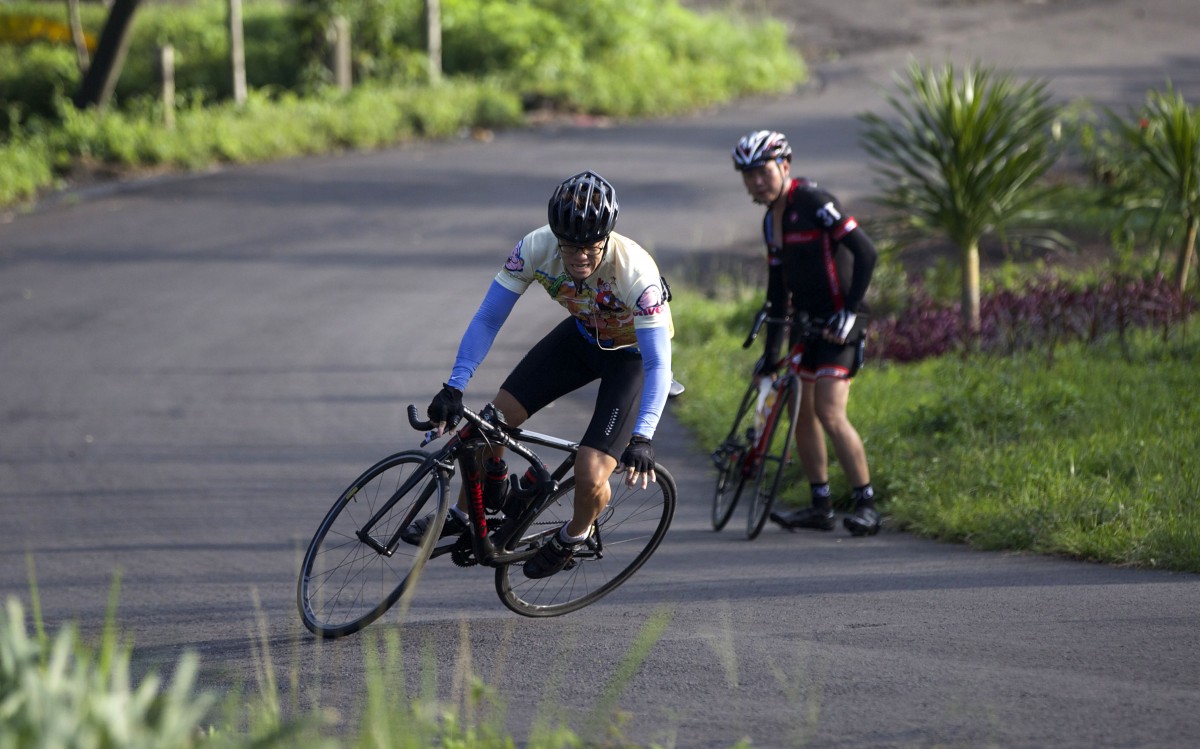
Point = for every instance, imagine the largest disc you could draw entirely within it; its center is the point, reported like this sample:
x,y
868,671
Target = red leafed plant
x,y
1042,314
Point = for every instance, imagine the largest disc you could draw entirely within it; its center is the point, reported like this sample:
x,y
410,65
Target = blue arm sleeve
x,y
655,345
481,333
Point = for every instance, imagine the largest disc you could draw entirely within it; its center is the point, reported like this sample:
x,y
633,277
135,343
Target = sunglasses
x,y
591,252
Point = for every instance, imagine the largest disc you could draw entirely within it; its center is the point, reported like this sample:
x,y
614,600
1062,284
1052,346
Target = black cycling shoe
x,y
811,517
864,522
454,526
554,556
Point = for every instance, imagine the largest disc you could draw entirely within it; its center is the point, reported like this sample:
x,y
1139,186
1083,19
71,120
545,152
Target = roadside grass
x,y
58,690
1090,458
263,129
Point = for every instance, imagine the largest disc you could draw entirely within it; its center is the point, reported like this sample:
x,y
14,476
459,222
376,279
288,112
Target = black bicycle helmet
x,y
758,148
583,209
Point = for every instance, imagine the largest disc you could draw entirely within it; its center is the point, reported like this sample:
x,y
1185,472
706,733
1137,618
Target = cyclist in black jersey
x,y
618,330
820,263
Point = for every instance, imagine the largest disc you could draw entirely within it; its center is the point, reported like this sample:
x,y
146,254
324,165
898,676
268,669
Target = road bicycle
x,y
758,447
358,566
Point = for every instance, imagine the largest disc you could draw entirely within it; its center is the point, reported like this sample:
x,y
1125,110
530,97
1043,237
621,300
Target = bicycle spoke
x,y
346,584
629,530
729,459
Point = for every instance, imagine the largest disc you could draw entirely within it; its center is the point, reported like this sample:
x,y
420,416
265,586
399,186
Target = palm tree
x,y
1162,157
964,159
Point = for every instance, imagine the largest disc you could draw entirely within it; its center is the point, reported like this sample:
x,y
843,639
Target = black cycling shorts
x,y
564,361
820,358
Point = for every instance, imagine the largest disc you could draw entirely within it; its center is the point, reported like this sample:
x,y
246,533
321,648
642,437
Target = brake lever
x,y
415,421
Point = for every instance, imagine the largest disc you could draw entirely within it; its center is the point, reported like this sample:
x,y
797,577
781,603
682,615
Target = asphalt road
x,y
192,368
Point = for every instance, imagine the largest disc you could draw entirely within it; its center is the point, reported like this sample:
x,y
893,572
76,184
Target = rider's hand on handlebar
x,y
446,409
638,460
838,327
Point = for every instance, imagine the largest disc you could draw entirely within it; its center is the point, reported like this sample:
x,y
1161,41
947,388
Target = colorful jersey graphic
x,y
623,294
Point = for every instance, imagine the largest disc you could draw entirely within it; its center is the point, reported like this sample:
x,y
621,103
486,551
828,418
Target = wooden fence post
x,y
433,38
342,74
237,51
166,68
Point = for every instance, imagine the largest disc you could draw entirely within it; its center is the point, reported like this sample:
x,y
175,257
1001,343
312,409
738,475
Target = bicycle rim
x,y
344,583
626,534
730,458
730,480
773,462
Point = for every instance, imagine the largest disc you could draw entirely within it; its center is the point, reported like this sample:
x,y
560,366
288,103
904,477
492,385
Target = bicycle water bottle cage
x,y
495,484
521,491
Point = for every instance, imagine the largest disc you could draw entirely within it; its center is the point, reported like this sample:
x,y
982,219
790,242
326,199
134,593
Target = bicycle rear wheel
x,y
776,448
345,583
623,538
730,459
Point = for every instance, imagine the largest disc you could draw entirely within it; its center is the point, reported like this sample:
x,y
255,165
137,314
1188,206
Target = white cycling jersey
x,y
625,292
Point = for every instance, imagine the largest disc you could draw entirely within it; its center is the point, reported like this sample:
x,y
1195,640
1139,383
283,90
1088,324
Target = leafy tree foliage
x,y
1155,168
964,158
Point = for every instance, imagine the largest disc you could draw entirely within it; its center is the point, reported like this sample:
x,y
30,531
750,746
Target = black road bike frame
x,y
363,558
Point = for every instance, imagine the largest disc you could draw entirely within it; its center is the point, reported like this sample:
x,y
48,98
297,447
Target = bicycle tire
x,y
774,458
345,584
629,530
730,461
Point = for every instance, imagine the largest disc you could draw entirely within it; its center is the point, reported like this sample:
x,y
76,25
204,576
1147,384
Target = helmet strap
x,y
785,173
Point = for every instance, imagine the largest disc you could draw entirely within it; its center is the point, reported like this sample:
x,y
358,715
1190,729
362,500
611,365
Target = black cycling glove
x,y
840,325
447,406
639,454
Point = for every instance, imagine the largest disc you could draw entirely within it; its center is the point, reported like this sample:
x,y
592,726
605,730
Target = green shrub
x,y
198,34
387,37
617,57
25,168
33,76
62,693
264,128
196,30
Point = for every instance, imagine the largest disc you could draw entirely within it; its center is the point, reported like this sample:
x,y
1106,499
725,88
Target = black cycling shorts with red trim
x,y
563,362
820,358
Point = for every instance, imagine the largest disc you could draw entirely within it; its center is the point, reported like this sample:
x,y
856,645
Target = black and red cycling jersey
x,y
823,262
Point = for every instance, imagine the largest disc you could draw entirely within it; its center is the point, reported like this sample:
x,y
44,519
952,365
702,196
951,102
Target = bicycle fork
x,y
388,549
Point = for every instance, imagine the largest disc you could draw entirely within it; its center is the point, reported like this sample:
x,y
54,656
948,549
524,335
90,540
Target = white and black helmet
x,y
760,147
583,209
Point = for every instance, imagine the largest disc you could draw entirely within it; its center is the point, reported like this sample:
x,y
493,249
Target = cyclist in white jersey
x,y
618,330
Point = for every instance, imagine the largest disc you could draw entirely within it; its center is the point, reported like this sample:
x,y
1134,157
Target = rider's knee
x,y
514,413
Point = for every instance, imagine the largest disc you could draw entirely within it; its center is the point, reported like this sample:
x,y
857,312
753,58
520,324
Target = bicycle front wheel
x,y
623,538
774,451
350,574
730,460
